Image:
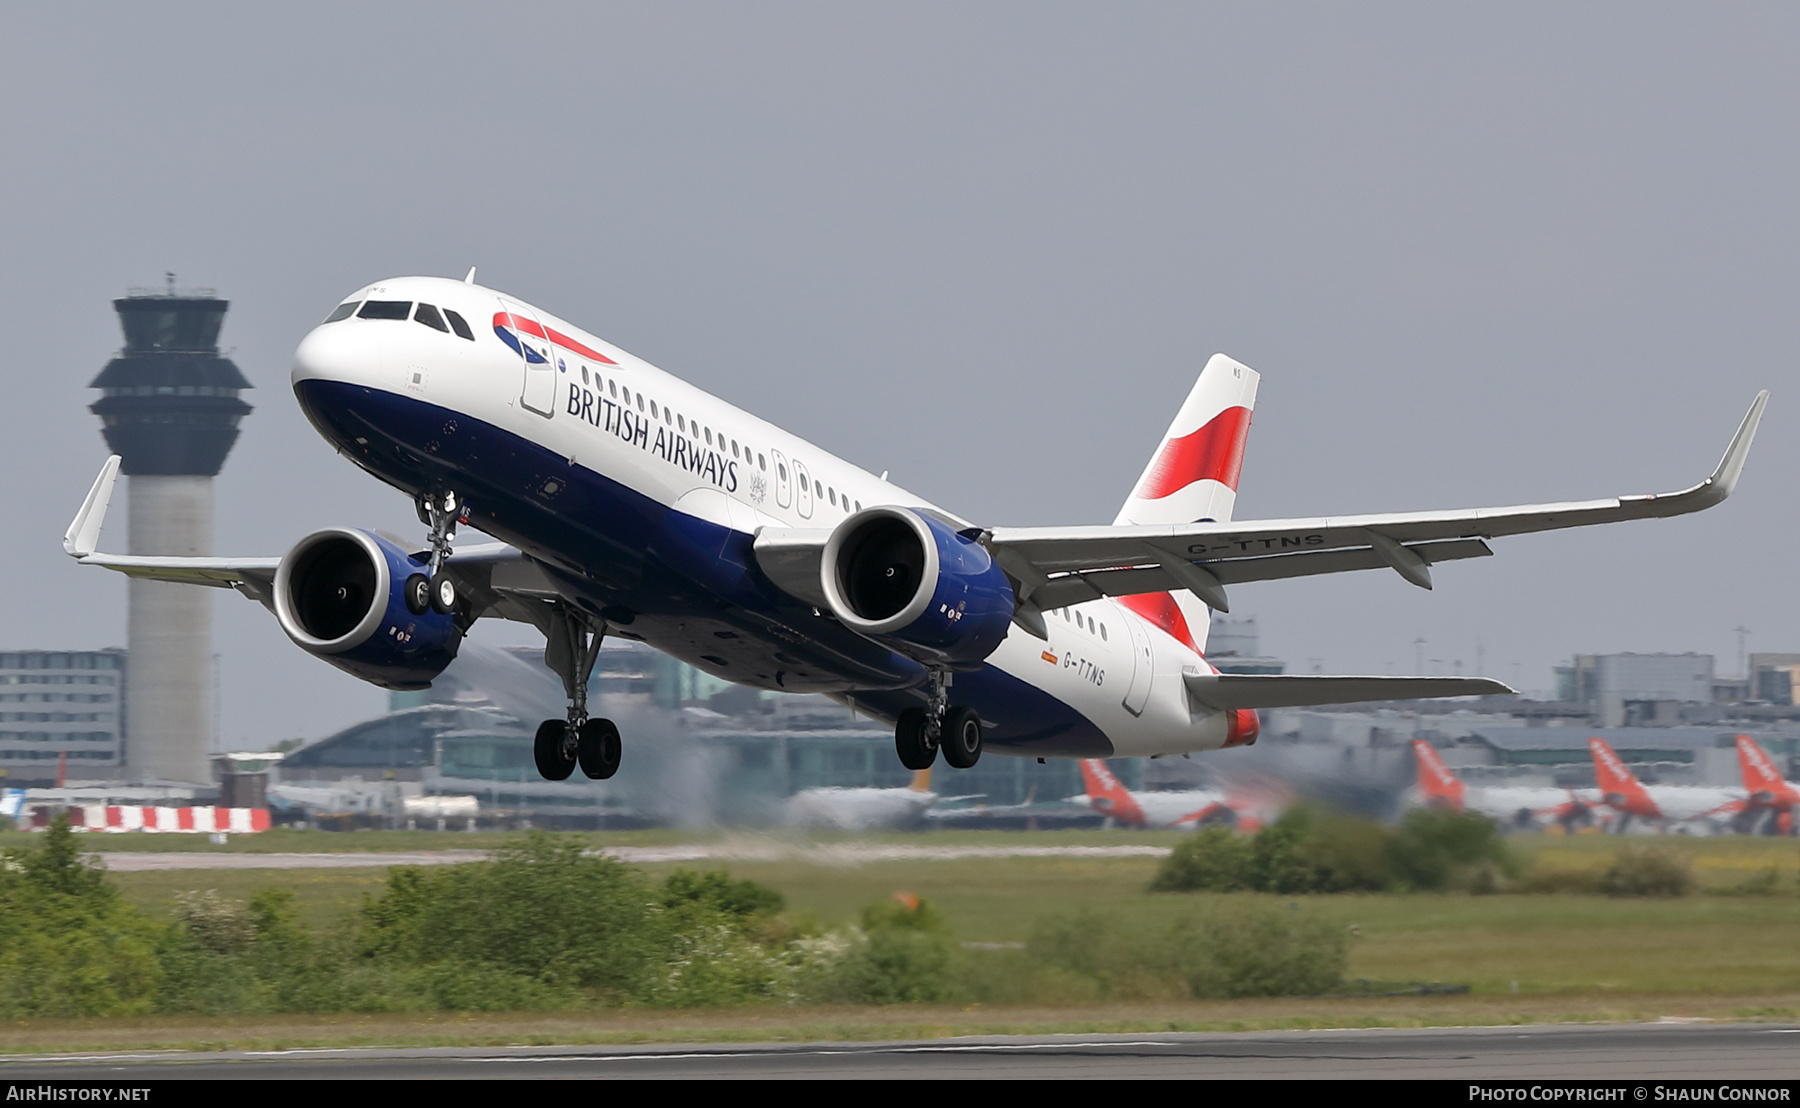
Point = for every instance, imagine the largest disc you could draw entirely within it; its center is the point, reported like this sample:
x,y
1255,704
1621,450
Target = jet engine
x,y
914,582
343,595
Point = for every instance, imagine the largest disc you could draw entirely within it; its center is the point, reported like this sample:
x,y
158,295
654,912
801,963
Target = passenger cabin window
x,y
385,309
428,315
342,311
653,414
681,420
459,325
612,386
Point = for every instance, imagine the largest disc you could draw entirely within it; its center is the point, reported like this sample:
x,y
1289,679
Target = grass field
x,y
1526,958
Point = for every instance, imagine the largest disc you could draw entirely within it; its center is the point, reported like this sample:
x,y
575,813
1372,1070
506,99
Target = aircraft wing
x,y
1057,566
496,578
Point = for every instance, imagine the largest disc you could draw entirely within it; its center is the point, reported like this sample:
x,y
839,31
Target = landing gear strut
x,y
441,511
571,648
919,732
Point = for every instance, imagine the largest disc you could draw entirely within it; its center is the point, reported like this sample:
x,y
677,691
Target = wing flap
x,y
1078,588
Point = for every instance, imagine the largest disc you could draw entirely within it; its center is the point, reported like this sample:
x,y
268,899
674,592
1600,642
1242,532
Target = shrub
x,y
68,945
901,954
1648,871
1262,950
1765,882
1439,849
1313,851
1212,859
1233,949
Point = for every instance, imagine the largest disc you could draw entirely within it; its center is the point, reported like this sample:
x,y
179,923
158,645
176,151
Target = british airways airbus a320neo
x,y
628,502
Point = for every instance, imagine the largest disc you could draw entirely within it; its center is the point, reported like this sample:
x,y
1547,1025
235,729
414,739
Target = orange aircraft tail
x,y
1762,780
1107,795
1442,788
1618,784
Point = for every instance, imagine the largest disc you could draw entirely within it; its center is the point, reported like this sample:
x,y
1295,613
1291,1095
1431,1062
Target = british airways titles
x,y
634,427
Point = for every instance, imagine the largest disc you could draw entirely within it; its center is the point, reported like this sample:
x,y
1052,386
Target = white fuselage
x,y
610,413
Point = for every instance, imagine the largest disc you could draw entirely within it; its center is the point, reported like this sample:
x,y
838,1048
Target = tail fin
x,y
1194,476
1761,778
1618,784
1107,795
1194,473
1442,788
921,782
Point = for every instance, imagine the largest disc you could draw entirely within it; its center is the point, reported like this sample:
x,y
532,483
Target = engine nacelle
x,y
912,581
340,595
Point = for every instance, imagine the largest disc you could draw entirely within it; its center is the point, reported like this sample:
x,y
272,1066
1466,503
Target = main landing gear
x,y
571,648
919,732
436,592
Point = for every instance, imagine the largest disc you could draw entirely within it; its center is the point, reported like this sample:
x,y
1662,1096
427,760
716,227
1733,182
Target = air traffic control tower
x,y
170,408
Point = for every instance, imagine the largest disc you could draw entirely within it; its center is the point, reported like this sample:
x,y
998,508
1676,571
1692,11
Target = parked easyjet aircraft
x,y
854,809
1509,805
1621,791
1772,796
1190,808
628,502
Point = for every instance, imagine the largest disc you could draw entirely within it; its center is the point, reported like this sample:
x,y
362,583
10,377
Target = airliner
x,y
1163,809
1514,806
628,502
862,809
1665,805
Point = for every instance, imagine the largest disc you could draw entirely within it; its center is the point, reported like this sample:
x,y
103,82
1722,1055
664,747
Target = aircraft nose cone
x,y
341,351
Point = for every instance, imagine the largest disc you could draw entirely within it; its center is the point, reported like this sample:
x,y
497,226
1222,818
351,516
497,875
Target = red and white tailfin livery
x,y
1768,789
1618,785
1518,806
1108,796
1632,799
1439,787
1193,476
1761,779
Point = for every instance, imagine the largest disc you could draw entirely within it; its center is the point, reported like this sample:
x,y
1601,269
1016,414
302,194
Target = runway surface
x,y
825,854
1742,1054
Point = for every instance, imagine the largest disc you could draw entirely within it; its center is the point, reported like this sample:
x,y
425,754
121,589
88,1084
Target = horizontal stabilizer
x,y
1225,691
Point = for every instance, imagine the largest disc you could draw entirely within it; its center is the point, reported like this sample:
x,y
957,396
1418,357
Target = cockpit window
x,y
459,325
342,311
385,309
428,315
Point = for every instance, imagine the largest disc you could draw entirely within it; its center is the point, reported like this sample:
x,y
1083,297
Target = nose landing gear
x,y
440,511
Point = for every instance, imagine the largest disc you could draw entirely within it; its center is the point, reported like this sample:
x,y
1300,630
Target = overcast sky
x,y
1480,254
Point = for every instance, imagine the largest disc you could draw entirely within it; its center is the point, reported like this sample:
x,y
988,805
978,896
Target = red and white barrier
x,y
193,821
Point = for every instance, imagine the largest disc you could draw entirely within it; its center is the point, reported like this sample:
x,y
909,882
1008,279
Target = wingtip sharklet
x,y
1724,478
83,535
